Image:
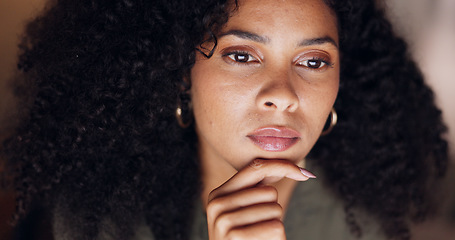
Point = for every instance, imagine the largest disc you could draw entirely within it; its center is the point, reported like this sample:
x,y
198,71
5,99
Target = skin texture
x,y
101,142
261,76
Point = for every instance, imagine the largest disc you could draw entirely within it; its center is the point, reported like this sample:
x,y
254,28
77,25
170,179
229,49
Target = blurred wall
x,y
13,16
429,28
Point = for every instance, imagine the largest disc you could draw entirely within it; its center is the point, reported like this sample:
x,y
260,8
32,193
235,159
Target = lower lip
x,y
273,144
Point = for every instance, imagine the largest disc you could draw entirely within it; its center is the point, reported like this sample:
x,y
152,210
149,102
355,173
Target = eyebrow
x,y
318,41
246,35
263,39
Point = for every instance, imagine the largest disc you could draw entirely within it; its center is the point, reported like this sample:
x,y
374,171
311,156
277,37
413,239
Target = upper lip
x,y
279,132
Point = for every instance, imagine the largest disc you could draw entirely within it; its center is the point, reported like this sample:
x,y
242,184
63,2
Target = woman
x,y
111,146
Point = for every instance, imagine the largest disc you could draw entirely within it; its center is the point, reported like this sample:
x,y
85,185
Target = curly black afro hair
x,y
100,137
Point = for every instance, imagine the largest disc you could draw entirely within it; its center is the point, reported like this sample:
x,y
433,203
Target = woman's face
x,y
270,85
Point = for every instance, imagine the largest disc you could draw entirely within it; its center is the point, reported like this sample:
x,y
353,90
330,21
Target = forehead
x,y
312,16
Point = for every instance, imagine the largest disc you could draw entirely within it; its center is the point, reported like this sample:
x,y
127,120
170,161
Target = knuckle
x,y
270,191
256,164
276,227
235,234
278,209
224,221
214,208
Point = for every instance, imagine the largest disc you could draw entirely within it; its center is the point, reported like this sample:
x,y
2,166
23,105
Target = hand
x,y
245,208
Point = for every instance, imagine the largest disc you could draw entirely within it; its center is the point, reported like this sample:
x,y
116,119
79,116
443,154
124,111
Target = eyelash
x,y
242,53
324,63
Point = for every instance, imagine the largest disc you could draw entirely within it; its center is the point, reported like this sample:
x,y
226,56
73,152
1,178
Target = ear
x,y
185,84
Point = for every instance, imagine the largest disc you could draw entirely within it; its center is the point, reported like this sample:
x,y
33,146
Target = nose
x,y
278,94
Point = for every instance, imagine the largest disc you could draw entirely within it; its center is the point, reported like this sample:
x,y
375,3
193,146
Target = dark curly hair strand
x,y
101,140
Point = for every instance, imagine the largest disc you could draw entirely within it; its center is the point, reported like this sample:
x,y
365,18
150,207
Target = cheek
x,y
210,103
218,98
202,105
317,100
216,107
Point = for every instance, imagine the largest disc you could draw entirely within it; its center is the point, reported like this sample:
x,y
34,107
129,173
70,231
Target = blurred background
x,y
13,16
427,25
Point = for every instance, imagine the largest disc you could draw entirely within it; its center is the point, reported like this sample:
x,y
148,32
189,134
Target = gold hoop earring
x,y
183,112
333,122
179,117
184,116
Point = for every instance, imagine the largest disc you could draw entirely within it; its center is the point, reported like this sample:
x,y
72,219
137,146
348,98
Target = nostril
x,y
269,104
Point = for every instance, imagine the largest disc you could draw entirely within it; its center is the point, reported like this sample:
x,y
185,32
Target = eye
x,y
241,57
314,63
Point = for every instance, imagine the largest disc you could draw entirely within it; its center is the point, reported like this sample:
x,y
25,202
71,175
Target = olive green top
x,y
314,213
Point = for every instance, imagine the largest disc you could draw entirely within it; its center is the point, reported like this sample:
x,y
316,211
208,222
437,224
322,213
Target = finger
x,y
272,229
247,216
240,199
261,170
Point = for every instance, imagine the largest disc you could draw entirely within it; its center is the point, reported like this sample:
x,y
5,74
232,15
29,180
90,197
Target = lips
x,y
274,139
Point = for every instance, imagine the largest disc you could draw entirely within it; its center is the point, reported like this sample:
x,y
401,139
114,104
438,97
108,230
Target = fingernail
x,y
307,173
